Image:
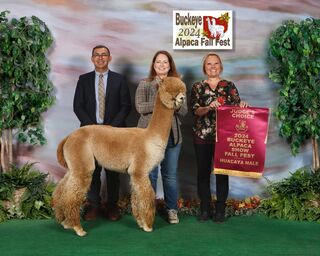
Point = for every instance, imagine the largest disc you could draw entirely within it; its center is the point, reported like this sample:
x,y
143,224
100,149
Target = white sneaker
x,y
173,216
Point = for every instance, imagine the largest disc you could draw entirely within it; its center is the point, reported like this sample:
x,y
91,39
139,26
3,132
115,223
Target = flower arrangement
x,y
247,206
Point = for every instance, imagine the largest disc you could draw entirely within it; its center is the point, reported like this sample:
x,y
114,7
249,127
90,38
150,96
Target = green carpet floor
x,y
254,235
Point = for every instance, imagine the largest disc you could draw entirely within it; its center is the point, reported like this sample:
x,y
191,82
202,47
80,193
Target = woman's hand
x,y
244,104
214,104
201,111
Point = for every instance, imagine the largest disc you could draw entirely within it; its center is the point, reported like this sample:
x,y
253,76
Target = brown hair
x,y
205,58
172,71
100,46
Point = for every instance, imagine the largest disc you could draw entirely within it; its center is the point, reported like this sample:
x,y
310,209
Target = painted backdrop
x,y
134,31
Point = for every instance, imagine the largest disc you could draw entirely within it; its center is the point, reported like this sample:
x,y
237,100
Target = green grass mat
x,y
253,235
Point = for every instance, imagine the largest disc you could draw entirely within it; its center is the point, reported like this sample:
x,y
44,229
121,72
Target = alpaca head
x,y
172,92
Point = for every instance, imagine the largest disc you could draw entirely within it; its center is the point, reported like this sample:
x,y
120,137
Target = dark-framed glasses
x,y
102,55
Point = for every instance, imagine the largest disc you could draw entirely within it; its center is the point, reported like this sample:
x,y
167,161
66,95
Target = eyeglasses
x,y
97,55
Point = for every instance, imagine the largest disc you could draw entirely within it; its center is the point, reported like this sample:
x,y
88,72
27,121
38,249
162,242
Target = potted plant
x,y
294,198
25,90
25,193
25,93
294,58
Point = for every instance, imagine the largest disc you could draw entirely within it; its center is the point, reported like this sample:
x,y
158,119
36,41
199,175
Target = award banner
x,y
241,138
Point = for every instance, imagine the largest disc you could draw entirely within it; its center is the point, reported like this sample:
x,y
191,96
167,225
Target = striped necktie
x,y
102,98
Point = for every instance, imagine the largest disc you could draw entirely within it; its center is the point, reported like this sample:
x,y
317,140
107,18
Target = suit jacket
x,y
118,102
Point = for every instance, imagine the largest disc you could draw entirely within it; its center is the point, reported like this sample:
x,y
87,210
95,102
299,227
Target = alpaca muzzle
x,y
180,98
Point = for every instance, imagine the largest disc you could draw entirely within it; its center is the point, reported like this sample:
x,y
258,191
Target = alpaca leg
x,y
59,214
143,201
72,213
72,221
59,196
134,208
74,197
57,200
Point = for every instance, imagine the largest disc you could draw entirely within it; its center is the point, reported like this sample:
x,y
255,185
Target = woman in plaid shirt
x,y
162,66
206,96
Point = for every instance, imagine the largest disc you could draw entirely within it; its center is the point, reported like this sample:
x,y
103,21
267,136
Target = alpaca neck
x,y
208,20
161,119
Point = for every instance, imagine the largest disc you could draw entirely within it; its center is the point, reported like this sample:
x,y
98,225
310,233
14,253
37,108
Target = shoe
x,y
90,212
112,212
160,207
219,216
173,216
204,216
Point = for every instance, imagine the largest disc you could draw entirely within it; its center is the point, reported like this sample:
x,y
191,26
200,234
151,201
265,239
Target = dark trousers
x,y
113,186
204,156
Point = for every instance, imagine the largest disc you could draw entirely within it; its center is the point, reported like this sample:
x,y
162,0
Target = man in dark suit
x,y
102,97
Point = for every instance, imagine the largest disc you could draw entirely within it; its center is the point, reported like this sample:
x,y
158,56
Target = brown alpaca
x,y
133,150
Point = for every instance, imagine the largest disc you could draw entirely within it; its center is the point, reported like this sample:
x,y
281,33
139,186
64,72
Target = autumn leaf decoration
x,y
223,20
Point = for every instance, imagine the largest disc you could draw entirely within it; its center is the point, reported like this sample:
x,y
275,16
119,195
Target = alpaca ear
x,y
166,98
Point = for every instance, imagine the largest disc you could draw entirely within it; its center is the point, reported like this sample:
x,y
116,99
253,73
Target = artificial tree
x,y
294,58
25,90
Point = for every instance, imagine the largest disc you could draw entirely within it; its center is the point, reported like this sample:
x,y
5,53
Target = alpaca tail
x,y
60,155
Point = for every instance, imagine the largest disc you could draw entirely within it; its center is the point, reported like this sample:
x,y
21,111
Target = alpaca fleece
x,y
133,150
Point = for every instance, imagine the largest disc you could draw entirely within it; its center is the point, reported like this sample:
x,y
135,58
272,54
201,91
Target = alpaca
x,y
133,150
215,30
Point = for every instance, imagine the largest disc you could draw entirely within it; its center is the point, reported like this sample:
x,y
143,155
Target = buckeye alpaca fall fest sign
x,y
203,30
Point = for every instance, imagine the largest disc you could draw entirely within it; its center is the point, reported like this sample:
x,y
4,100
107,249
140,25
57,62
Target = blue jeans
x,y
169,168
